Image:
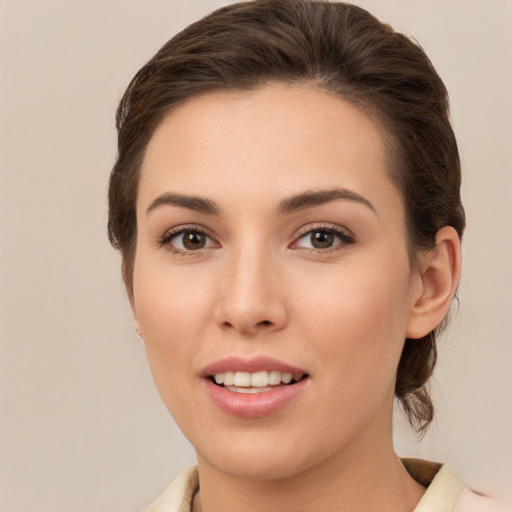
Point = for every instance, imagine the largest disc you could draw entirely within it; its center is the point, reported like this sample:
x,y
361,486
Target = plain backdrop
x,y
82,428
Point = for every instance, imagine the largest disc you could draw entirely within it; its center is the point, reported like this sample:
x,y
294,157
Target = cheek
x,y
359,317
171,309
363,295
356,330
170,301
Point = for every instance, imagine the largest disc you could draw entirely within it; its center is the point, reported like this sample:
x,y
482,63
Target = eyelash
x,y
346,239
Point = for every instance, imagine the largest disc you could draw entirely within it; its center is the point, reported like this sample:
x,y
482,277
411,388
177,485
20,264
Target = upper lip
x,y
250,365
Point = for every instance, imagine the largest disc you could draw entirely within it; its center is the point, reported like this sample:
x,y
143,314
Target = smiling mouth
x,y
257,382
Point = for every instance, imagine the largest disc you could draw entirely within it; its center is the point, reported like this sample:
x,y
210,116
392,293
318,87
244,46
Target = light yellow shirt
x,y
445,491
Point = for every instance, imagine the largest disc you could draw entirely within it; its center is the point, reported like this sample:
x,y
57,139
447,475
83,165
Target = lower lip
x,y
253,405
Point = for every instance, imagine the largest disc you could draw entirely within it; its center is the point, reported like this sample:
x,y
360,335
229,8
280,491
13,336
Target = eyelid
x,y
319,226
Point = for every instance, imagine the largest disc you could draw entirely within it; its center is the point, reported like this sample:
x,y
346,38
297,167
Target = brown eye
x,y
192,240
322,239
187,240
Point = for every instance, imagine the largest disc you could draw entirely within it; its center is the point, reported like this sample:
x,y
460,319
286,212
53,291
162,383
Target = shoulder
x,y
179,495
446,492
471,501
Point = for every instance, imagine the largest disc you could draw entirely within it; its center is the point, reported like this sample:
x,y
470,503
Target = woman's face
x,y
271,241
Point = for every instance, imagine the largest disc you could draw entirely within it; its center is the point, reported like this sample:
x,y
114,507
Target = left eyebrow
x,y
312,198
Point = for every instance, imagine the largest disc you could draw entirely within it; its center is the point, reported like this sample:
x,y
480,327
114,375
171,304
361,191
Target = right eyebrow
x,y
196,203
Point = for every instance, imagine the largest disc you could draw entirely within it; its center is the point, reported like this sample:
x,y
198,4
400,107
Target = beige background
x,y
81,426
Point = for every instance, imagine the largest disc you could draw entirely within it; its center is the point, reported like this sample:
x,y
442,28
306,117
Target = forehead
x,y
277,140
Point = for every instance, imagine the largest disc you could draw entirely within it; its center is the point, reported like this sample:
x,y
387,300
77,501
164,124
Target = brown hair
x,y
335,46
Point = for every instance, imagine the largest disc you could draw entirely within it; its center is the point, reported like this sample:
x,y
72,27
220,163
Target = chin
x,y
269,453
258,464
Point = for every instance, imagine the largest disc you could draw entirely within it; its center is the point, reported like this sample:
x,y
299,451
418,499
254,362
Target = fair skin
x,y
268,227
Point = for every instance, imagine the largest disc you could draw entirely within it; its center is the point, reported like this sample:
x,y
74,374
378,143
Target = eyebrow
x,y
198,204
312,198
302,201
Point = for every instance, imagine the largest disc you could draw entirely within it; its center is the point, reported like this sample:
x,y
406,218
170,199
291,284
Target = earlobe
x,y
136,323
440,273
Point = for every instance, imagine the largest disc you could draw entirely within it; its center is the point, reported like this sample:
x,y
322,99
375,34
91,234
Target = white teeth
x,y
247,390
243,379
287,378
229,378
274,378
258,380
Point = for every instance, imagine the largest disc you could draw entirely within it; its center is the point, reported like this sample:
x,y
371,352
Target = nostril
x,y
265,322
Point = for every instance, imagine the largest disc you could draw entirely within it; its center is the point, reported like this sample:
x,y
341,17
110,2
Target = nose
x,y
251,295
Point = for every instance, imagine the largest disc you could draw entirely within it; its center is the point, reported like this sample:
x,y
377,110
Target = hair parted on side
x,y
336,47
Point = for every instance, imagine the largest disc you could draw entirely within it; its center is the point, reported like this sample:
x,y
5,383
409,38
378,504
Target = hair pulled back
x,y
334,46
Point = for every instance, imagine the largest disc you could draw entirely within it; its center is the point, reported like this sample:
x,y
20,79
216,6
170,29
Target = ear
x,y
439,274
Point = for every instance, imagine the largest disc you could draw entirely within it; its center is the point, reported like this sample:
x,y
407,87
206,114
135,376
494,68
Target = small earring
x,y
138,332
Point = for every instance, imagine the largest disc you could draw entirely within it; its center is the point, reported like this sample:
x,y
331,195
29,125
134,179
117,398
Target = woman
x,y
286,199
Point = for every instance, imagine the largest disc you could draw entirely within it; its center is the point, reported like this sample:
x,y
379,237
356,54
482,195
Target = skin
x,y
259,287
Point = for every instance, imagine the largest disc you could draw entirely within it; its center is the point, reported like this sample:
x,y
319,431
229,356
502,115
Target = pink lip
x,y
252,405
254,364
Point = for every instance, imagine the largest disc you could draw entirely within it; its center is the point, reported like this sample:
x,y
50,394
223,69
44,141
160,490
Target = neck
x,y
370,479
